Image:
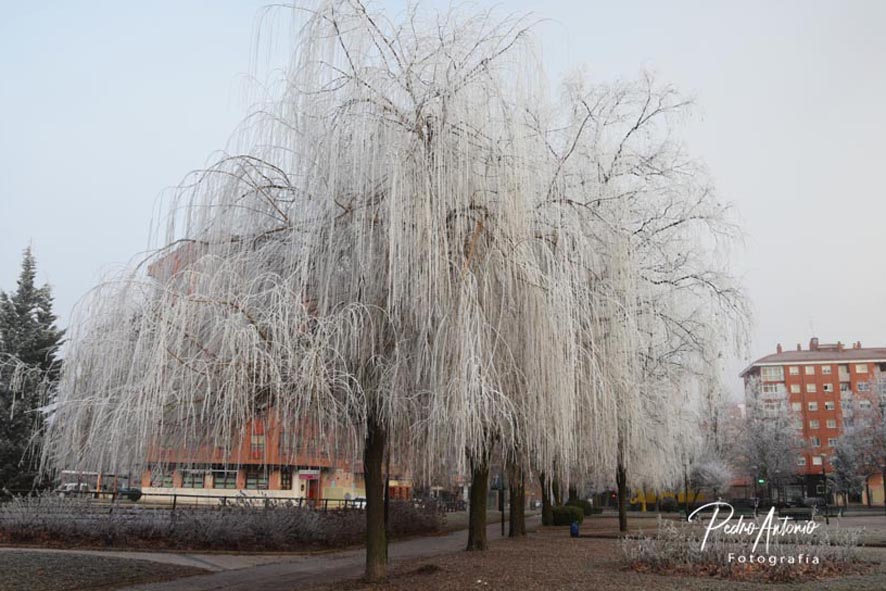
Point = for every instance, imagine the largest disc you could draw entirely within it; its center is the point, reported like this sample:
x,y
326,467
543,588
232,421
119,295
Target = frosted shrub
x,y
239,525
676,548
43,516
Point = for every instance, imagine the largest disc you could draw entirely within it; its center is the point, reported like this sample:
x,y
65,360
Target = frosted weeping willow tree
x,y
413,251
663,300
371,268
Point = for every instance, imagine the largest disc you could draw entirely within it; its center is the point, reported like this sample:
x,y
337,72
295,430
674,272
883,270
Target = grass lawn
x,y
41,571
550,559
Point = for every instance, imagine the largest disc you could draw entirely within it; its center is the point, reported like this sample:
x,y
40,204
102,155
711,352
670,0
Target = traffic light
x,y
761,481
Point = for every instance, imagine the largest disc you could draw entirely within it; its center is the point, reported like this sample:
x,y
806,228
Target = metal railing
x,y
253,498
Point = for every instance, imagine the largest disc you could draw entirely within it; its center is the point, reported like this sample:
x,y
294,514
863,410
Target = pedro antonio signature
x,y
772,527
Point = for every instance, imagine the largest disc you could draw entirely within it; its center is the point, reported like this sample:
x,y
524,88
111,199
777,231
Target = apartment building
x,y
824,388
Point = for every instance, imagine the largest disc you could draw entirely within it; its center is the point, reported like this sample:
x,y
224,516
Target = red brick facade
x,y
823,387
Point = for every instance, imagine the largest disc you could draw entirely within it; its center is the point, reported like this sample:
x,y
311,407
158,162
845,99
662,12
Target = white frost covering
x,y
417,232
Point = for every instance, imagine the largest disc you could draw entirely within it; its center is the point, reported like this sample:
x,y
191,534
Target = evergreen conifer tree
x,y
30,338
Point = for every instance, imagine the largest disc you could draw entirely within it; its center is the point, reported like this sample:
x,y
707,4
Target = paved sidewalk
x,y
212,562
270,572
319,568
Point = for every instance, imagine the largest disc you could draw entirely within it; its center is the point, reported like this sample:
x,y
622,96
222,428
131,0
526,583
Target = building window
x,y
828,387
831,423
256,478
192,479
796,406
861,368
814,424
795,388
162,478
844,387
257,446
286,442
813,406
794,370
816,460
286,478
832,441
829,405
815,441
773,388
865,404
810,370
825,370
772,374
863,387
224,478
801,460
810,388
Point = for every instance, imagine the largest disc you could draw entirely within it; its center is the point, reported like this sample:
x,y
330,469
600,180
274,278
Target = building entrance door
x,y
313,490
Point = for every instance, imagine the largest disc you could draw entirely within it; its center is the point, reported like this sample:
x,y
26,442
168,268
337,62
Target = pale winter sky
x,y
105,104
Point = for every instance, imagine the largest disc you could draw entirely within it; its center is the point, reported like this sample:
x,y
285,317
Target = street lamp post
x,y
883,483
777,478
498,483
881,395
756,477
824,473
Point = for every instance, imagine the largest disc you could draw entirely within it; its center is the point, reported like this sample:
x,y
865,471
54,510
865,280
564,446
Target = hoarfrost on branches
x,y
417,249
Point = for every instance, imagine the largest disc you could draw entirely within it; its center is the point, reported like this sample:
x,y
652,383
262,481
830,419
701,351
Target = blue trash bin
x,y
573,529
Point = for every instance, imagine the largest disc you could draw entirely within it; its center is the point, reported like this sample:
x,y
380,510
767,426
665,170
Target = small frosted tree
x,y
771,440
850,471
861,450
711,473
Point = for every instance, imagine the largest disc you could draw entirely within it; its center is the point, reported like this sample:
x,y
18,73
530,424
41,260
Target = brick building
x,y
264,462
824,388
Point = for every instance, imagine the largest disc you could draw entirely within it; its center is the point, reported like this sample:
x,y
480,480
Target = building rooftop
x,y
820,353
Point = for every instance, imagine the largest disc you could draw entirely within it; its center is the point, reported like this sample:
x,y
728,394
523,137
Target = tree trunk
x,y
621,480
555,489
547,510
477,509
373,473
883,486
517,514
387,496
573,493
